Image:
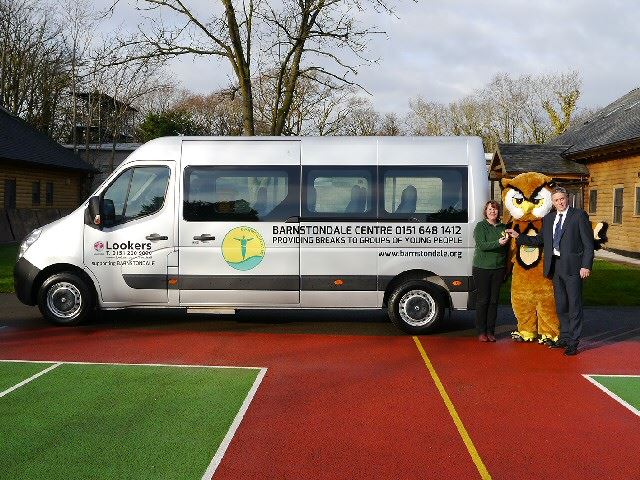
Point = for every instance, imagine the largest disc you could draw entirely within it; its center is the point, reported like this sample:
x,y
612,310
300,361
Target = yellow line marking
x,y
484,473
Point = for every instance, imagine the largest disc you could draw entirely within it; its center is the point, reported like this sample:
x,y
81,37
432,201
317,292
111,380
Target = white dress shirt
x,y
559,215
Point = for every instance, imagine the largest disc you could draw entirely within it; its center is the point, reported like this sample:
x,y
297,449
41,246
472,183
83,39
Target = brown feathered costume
x,y
527,198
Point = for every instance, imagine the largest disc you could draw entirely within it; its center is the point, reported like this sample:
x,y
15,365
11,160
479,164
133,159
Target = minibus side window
x,y
147,191
254,194
339,192
428,194
117,193
137,192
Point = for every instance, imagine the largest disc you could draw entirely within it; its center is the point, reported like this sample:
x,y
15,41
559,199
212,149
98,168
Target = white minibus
x,y
216,224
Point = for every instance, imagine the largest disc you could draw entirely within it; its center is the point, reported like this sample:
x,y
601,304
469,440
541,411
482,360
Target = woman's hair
x,y
494,204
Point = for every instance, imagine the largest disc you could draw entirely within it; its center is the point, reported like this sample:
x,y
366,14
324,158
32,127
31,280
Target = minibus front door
x,y
129,252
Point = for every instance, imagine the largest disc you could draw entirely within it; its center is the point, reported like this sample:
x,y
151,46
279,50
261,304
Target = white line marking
x,y
603,375
132,364
24,382
611,394
217,458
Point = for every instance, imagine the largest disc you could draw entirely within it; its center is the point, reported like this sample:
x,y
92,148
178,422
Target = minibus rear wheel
x,y
415,307
65,299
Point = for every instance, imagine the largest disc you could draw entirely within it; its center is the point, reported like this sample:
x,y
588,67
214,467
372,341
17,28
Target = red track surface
x,y
365,407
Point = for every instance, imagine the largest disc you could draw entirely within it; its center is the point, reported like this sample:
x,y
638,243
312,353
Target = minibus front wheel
x,y
415,307
65,299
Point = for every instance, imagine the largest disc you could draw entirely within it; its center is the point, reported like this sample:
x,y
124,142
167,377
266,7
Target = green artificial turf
x,y
8,255
627,388
115,421
12,373
610,283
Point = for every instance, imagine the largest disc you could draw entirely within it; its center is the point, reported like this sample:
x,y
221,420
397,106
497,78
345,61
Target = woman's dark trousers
x,y
487,283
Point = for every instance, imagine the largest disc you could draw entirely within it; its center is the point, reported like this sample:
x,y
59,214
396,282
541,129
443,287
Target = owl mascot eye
x,y
527,198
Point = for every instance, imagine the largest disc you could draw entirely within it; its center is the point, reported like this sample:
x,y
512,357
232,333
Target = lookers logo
x,y
129,245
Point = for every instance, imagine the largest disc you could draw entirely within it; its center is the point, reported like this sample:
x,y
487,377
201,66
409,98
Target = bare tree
x,y
219,113
78,19
427,118
526,109
362,120
390,125
295,38
561,98
34,69
318,107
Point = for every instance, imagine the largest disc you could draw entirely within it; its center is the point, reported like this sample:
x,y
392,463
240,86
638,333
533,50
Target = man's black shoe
x,y
571,350
558,344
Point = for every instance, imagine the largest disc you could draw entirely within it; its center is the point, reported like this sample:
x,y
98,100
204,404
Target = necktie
x,y
556,233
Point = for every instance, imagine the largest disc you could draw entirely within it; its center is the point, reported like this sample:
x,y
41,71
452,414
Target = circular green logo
x,y
243,248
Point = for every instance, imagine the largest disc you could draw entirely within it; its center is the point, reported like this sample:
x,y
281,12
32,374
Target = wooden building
x,y
599,163
39,179
511,159
608,144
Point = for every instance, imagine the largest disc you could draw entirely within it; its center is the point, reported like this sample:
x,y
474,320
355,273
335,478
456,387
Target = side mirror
x,y
108,212
94,211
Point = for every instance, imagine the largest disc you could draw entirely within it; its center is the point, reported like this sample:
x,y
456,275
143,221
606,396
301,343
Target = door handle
x,y
292,220
154,236
204,237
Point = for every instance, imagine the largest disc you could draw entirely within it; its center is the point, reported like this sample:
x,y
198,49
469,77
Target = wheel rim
x,y
418,308
64,300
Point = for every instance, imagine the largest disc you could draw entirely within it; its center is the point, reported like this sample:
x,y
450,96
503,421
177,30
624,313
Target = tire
x,y
65,299
415,307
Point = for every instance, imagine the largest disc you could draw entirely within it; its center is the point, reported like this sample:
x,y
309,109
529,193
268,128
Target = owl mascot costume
x,y
527,198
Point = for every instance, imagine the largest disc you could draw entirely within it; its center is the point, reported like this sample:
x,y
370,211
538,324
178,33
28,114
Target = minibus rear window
x,y
428,194
254,194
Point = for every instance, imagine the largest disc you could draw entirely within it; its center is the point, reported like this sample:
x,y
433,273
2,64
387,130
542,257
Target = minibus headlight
x,y
27,242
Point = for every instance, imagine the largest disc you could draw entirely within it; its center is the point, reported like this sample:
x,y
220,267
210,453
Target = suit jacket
x,y
576,242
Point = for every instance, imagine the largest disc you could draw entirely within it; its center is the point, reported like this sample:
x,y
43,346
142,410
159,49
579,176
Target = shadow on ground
x,y
603,325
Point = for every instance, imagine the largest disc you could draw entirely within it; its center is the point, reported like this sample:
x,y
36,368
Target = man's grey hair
x,y
561,190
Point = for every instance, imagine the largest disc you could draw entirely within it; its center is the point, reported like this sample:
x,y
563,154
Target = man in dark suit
x,y
567,239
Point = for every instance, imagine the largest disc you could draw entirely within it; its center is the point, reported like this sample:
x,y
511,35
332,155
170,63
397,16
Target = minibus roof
x,y
345,150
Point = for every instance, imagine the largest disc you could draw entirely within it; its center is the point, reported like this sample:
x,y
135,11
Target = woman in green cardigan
x,y
489,261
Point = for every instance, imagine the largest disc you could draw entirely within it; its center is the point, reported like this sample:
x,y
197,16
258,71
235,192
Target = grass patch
x,y
7,261
119,421
627,388
12,373
610,283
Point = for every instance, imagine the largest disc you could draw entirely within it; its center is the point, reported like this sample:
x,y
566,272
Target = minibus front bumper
x,y
24,275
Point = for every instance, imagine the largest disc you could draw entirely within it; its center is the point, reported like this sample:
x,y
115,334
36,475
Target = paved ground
x,y
348,396
614,257
602,324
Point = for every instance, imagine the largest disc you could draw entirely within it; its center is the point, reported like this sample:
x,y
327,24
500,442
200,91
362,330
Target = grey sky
x,y
444,50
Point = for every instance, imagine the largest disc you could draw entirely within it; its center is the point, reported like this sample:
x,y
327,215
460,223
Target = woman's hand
x,y
503,240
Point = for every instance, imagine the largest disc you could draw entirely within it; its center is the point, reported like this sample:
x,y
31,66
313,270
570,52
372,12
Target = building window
x,y
35,193
10,193
617,204
49,194
637,209
593,201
